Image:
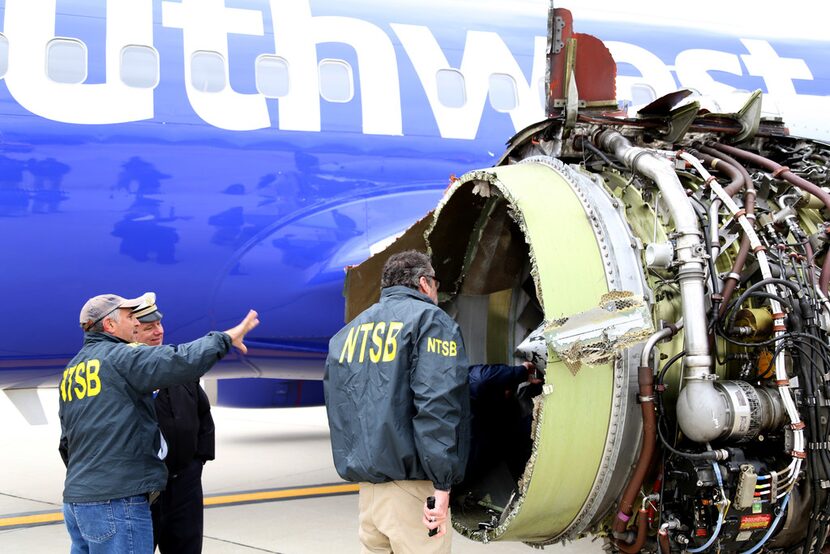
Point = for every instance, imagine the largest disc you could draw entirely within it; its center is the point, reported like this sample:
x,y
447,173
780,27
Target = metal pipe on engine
x,y
696,395
668,331
689,247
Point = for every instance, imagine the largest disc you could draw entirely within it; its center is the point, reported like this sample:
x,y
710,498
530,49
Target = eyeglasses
x,y
434,280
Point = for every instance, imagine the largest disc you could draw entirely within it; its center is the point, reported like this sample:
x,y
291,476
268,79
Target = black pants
x,y
178,518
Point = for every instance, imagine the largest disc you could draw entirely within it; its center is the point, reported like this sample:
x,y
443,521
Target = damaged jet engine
x,y
676,267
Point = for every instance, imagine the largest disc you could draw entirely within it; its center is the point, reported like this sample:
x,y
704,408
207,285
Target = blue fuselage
x,y
225,200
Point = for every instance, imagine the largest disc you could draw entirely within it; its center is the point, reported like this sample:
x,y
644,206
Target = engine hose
x,y
783,172
736,180
719,454
646,377
642,534
736,183
731,282
663,541
750,193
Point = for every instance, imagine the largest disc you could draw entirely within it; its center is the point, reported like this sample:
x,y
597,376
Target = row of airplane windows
x,y
66,62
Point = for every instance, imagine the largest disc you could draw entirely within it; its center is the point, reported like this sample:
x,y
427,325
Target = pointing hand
x,y
238,333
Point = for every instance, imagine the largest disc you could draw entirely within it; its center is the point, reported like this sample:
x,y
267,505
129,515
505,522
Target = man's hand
x,y
238,333
532,374
436,518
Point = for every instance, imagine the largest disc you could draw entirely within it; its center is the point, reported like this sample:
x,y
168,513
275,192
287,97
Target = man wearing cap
x,y
109,431
183,413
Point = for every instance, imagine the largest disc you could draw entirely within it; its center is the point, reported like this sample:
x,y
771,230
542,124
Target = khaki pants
x,y
391,519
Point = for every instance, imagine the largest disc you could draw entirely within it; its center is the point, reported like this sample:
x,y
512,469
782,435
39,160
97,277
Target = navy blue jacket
x,y
499,431
108,423
489,381
397,394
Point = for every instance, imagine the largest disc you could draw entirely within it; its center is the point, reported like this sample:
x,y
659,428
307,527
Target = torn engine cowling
x,y
681,292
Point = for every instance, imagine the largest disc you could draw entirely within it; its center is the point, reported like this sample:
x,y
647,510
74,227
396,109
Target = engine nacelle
x,y
677,295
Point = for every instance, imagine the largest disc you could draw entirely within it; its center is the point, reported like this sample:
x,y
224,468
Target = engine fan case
x,y
587,422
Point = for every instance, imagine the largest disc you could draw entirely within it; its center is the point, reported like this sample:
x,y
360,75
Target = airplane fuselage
x,y
276,143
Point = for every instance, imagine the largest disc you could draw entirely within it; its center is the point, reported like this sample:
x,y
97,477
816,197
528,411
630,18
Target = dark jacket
x,y
183,413
488,382
500,431
108,422
397,394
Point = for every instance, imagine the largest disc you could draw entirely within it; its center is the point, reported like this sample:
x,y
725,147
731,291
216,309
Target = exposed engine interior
x,y
668,270
730,399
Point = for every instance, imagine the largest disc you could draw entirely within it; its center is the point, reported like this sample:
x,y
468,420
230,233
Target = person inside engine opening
x,y
501,402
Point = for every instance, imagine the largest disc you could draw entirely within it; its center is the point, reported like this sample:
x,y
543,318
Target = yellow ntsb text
x,y
442,347
384,345
82,380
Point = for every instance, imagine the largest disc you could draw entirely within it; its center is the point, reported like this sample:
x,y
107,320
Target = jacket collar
x,y
94,337
399,290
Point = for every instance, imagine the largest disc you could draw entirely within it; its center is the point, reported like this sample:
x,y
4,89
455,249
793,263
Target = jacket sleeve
x,y
206,443
147,368
63,449
439,382
484,379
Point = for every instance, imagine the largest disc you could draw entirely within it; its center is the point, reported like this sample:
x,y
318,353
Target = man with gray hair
x,y
109,434
398,405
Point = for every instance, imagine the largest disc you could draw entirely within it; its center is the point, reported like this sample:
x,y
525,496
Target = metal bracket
x,y
558,26
680,119
572,94
749,116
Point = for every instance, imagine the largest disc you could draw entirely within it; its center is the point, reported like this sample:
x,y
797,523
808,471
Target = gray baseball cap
x,y
99,307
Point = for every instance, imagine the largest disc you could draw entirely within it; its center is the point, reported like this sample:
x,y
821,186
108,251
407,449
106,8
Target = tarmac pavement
x,y
273,479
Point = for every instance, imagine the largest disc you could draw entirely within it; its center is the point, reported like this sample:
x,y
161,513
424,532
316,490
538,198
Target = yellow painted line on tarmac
x,y
49,518
34,519
261,496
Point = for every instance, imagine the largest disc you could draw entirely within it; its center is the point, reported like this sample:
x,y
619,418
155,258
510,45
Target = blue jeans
x,y
119,526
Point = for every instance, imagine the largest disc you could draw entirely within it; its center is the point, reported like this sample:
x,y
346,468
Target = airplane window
x,y
451,90
139,66
272,76
4,55
66,60
336,83
642,93
503,93
207,71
